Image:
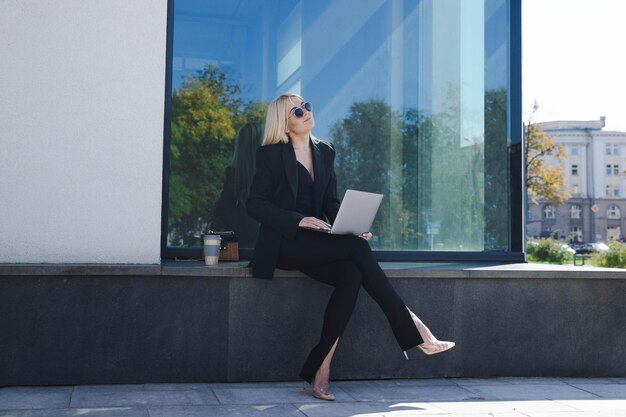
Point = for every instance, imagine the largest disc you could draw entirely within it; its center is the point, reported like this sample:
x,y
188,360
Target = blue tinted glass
x,y
413,94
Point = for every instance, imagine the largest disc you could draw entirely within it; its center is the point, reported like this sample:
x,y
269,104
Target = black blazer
x,y
272,199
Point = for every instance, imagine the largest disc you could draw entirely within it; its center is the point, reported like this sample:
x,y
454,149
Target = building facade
x,y
120,120
594,176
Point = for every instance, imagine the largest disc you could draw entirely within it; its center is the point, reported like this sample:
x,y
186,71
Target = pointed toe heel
x,y
323,395
437,347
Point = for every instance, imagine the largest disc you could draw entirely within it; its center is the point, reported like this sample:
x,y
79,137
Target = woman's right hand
x,y
313,223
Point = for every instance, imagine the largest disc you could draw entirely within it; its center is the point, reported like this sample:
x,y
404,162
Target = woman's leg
x,y
314,252
377,285
311,250
409,330
346,278
321,380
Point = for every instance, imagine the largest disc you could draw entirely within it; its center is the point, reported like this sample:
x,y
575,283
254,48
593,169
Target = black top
x,y
305,201
272,200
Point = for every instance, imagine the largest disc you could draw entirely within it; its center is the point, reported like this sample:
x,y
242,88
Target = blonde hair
x,y
276,121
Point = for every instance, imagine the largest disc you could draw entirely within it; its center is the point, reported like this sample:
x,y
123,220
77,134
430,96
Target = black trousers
x,y
346,263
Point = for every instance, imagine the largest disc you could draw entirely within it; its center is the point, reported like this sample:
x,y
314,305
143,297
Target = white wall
x,y
81,130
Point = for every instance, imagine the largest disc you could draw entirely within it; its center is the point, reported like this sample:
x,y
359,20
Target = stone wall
x,y
101,324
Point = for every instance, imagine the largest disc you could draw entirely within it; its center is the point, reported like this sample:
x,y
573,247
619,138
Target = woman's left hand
x,y
366,235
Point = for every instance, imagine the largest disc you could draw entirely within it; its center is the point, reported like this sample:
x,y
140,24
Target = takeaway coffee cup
x,y
211,249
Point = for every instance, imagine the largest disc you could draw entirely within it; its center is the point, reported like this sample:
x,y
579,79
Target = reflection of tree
x,y
364,140
433,179
206,114
453,187
417,130
497,174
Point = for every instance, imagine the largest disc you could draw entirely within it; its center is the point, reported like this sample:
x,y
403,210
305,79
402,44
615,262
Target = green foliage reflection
x,y
442,191
207,112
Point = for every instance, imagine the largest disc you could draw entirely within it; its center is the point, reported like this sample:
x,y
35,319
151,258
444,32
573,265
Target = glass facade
x,y
414,95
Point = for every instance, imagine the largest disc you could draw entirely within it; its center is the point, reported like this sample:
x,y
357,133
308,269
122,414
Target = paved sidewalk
x,y
500,397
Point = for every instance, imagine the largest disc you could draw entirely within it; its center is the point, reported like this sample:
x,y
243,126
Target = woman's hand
x,y
366,235
313,223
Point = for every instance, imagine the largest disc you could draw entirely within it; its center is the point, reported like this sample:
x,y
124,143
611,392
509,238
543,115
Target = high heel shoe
x,y
433,349
437,347
322,394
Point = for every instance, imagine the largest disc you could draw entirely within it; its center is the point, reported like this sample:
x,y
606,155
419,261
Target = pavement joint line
x,y
298,409
214,395
69,404
583,390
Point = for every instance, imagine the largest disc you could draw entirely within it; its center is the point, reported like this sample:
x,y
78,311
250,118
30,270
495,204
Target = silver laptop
x,y
356,213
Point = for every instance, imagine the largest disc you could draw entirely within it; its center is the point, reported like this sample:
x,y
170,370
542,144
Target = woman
x,y
293,191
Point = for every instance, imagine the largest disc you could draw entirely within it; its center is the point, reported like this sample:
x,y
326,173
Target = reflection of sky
x,y
336,53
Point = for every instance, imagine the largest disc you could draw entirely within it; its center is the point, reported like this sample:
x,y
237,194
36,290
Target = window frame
x,y
578,231
515,253
613,212
612,149
612,191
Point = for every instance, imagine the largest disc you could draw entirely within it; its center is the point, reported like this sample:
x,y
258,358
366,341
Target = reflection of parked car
x,y
567,248
593,248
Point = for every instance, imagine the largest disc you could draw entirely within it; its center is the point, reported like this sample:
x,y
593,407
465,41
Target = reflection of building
x,y
594,173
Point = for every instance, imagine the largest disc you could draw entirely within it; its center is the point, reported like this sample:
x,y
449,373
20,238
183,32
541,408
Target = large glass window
x,y
413,94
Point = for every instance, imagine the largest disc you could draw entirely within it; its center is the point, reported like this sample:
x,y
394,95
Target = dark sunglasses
x,y
299,111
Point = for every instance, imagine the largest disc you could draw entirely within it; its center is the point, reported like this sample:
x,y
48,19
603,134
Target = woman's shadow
x,y
230,209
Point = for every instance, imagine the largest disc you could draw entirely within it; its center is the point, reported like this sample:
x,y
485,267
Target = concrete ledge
x,y
392,269
103,324
77,269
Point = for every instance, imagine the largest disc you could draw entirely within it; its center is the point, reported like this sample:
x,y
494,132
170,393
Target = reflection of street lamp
x,y
432,229
594,210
